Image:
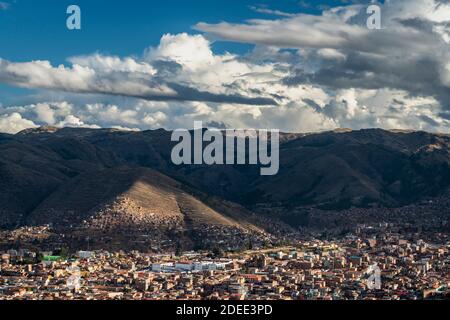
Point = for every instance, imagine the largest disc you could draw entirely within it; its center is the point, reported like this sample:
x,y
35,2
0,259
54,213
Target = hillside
x,y
125,197
103,178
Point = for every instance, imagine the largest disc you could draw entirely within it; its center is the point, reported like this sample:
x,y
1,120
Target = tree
x,y
218,252
63,252
250,244
178,250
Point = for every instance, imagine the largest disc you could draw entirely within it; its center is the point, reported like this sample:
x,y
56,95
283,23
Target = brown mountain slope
x,y
124,197
30,172
21,190
331,170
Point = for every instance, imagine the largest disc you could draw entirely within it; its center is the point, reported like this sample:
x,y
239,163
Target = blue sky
x,y
36,30
295,65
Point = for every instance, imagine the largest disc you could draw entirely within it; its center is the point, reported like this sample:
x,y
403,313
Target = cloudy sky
x,y
297,66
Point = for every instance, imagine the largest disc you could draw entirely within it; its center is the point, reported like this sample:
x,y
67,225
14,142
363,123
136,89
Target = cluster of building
x,y
366,265
204,237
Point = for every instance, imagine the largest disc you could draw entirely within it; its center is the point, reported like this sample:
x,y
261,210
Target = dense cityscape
x,y
409,267
241,154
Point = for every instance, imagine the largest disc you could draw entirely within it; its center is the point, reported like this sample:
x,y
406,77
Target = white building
x,y
163,267
184,266
84,254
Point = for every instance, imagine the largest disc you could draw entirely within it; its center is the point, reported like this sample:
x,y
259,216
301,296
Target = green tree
x,y
179,250
218,252
250,244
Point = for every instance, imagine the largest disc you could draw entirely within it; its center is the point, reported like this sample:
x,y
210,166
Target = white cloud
x,y
45,113
14,123
330,54
387,109
113,64
128,77
306,73
192,52
340,52
78,78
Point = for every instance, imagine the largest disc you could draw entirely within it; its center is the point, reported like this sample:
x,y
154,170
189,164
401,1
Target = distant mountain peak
x,y
50,174
39,130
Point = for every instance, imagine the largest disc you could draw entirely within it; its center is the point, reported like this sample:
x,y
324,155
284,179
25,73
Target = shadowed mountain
x,y
360,168
65,176
137,197
332,169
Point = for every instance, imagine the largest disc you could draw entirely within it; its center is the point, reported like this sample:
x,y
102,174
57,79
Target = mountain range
x,y
112,179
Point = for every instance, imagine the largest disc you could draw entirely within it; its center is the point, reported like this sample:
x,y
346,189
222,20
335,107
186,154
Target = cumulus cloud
x,y
14,123
410,53
305,73
356,108
98,74
309,109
